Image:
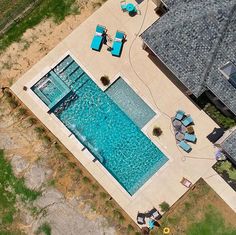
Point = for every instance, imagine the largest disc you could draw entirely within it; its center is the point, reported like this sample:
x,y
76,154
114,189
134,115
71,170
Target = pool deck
x,y
154,87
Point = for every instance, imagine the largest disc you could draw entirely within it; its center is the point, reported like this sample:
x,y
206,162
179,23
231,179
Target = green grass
x,y
11,188
212,224
55,9
44,228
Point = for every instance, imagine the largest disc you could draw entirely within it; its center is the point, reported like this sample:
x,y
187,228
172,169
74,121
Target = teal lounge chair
x,y
187,121
98,38
123,5
118,43
179,115
190,137
185,146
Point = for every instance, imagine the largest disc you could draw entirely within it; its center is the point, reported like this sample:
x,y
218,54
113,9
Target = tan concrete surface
x,y
151,84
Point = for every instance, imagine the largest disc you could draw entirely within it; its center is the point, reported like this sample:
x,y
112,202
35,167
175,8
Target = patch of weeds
x,y
47,140
109,204
7,65
44,228
57,146
103,195
35,211
96,5
130,228
11,188
86,180
95,187
32,121
22,111
79,172
11,99
26,44
164,206
52,182
39,130
118,215
187,205
72,164
174,220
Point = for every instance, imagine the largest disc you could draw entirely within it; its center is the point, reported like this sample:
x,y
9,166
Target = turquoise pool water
x,y
111,136
125,97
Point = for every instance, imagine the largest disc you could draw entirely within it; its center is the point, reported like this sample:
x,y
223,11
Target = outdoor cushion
x,y
100,29
116,48
187,121
120,35
117,43
179,115
190,137
96,42
186,147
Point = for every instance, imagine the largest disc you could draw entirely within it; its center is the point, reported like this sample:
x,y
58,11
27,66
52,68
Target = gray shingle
x,y
194,39
229,145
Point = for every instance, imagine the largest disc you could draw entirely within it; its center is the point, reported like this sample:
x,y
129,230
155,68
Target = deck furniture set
x,y
184,132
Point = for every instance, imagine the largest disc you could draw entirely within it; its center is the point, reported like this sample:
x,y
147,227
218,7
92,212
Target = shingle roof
x,y
194,39
229,145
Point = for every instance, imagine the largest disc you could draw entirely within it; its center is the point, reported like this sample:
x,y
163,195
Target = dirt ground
x,y
37,42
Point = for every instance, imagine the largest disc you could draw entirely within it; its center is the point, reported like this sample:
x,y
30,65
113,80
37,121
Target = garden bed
x,y
227,171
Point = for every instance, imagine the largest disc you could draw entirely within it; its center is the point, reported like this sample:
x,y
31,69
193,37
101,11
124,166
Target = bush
x,y
22,111
44,228
86,180
105,80
47,139
130,228
103,195
218,117
157,131
95,187
32,121
39,130
164,206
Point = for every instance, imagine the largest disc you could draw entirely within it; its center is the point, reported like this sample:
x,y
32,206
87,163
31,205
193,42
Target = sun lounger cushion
x,y
96,42
187,121
190,137
185,146
179,115
116,48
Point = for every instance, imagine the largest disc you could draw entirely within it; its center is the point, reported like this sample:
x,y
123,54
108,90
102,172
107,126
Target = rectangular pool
x,y
108,133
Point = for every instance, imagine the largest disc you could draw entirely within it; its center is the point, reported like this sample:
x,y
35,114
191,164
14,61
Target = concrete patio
x,y
154,87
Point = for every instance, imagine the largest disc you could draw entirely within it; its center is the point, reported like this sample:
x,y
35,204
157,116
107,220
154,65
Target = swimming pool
x,y
110,135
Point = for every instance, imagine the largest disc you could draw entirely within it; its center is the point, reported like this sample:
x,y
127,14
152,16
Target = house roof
x,y
229,145
194,39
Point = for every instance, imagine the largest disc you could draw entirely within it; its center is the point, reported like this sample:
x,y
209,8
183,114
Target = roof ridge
x,y
217,45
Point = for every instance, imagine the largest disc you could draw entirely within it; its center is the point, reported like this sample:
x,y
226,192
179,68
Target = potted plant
x,y
105,80
157,131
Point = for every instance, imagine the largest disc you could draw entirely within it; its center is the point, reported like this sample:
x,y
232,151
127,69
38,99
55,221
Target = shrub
x,y
44,228
157,131
130,228
72,164
32,121
39,130
105,80
103,195
22,111
86,180
47,139
95,187
164,206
